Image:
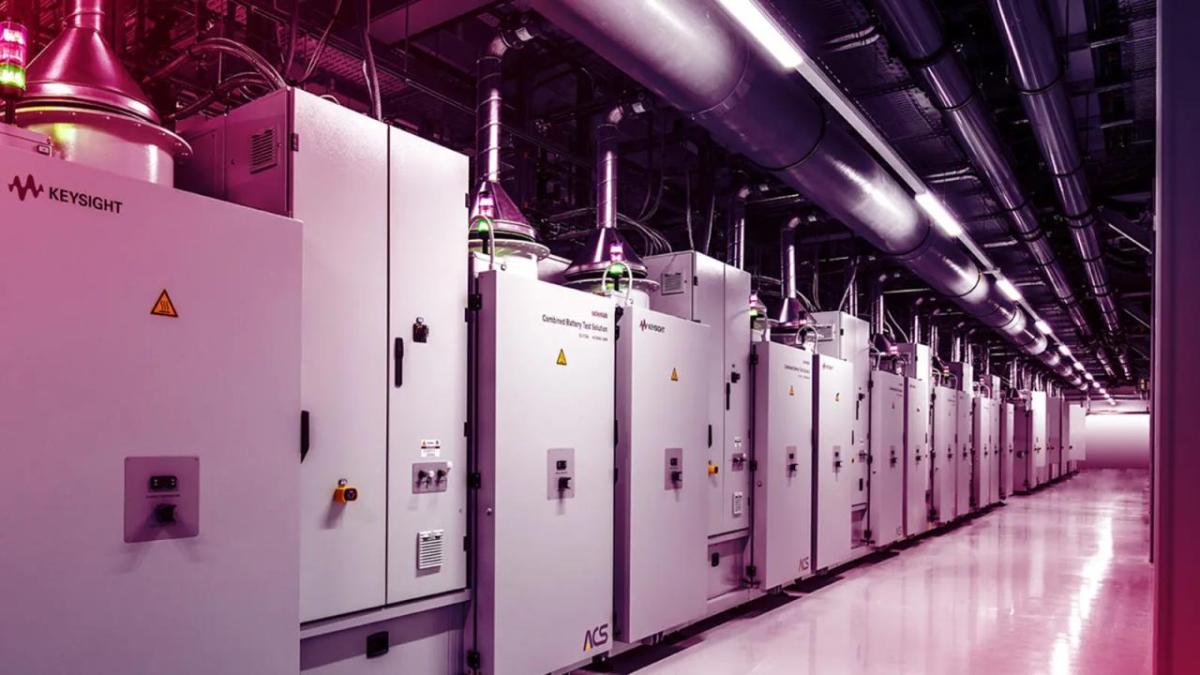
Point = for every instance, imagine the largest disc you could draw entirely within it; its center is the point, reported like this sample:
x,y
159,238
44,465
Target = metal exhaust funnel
x,y
82,97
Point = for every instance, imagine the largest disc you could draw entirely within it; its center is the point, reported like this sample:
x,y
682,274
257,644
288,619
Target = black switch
x,y
561,465
164,514
564,483
377,644
420,331
676,476
164,483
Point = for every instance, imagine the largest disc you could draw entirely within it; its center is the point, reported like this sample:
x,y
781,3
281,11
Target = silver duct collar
x,y
79,69
492,209
606,249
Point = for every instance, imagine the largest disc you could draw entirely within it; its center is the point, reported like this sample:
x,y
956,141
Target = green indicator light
x,y
754,314
12,75
482,224
616,269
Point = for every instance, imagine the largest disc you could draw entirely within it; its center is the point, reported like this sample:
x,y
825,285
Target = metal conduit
x,y
916,32
687,52
1039,77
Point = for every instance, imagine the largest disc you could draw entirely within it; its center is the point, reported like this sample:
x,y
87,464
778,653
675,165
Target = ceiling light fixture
x,y
940,214
765,31
1008,289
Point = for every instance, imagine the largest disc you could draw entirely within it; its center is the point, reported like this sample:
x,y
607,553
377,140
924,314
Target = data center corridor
x,y
1057,582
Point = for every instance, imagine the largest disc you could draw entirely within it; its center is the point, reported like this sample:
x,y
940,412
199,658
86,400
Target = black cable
x,y
293,36
370,72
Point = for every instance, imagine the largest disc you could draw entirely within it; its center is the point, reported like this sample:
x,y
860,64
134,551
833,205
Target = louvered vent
x,y
430,548
264,150
672,283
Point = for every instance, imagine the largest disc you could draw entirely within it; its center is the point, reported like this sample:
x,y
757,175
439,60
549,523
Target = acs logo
x,y
596,637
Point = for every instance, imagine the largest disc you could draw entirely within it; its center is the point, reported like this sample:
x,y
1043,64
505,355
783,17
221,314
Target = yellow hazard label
x,y
562,357
674,375
163,306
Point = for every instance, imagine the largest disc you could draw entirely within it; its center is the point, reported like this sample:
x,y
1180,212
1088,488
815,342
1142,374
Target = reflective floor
x,y
1057,582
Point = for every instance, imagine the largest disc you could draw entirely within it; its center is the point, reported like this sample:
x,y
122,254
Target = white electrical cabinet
x,y
886,462
963,414
695,287
383,338
847,337
835,483
783,453
943,454
662,456
983,447
544,506
1007,450
1029,439
917,456
149,425
994,460
1077,435
1054,437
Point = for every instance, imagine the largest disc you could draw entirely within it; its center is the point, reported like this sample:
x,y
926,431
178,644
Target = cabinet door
x,y
339,184
427,376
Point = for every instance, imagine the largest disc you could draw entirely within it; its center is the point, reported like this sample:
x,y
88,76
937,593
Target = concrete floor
x,y
1057,582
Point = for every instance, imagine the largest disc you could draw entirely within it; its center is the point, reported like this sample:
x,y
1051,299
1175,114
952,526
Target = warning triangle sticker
x,y
674,375
562,357
164,307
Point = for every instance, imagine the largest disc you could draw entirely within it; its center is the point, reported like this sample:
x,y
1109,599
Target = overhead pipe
x,y
916,32
1040,79
688,53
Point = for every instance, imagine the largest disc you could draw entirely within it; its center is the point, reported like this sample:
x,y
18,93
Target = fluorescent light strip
x,y
1064,350
1043,327
940,214
765,31
1006,287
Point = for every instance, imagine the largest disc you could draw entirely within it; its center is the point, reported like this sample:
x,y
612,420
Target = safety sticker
x,y
562,357
164,307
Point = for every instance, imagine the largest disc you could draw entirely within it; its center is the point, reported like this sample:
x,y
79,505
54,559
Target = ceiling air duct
x,y
688,53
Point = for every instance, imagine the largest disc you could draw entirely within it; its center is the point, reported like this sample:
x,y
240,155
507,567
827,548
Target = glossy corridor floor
x,y
1056,582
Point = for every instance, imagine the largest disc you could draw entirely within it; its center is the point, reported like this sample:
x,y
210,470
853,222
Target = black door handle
x,y
304,435
398,354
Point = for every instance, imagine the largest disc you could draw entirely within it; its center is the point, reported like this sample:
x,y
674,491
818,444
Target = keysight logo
x,y
30,186
647,326
81,199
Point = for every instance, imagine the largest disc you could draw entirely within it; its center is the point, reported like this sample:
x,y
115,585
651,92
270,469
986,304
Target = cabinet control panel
x,y
162,498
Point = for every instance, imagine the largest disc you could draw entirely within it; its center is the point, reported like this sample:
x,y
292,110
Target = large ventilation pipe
x,y
493,212
688,53
916,32
1039,77
792,315
605,250
736,245
80,95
